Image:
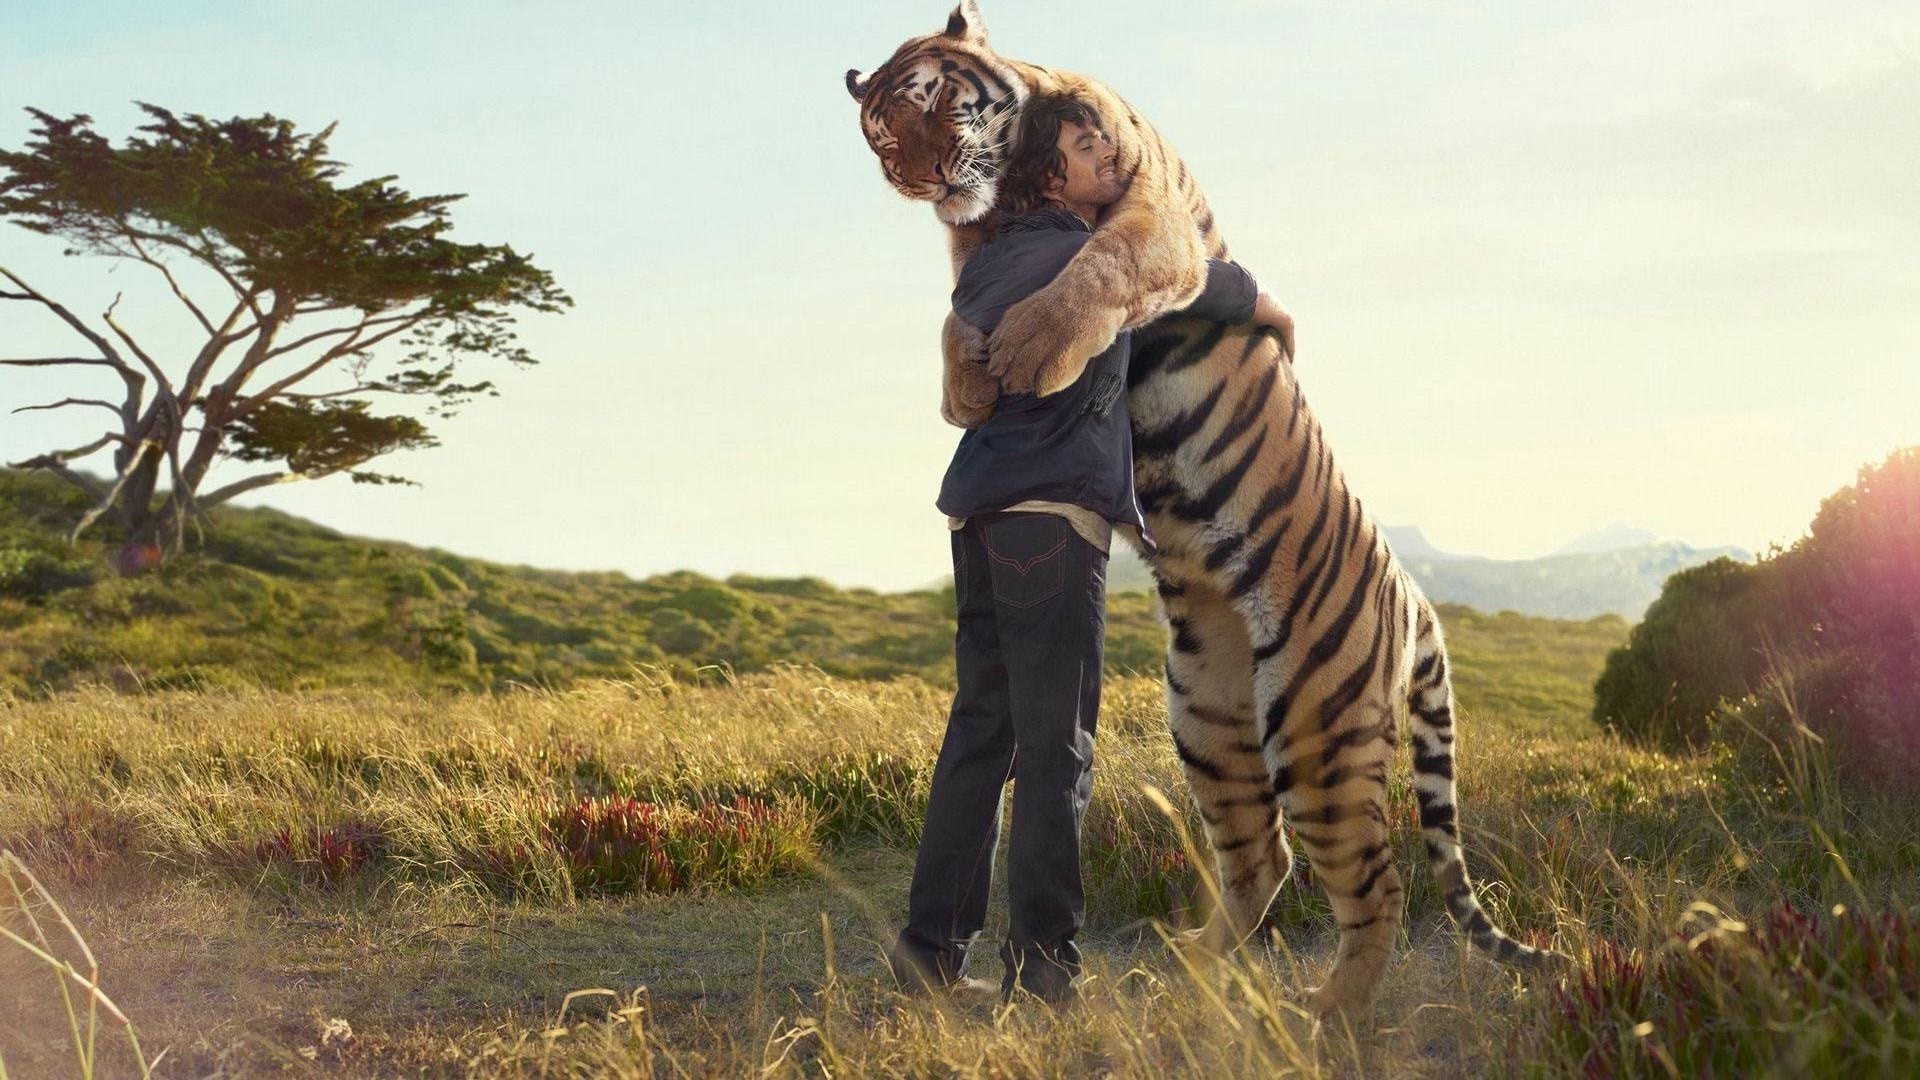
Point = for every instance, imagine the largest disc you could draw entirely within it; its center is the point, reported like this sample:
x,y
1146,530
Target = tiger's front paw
x,y
963,414
1043,345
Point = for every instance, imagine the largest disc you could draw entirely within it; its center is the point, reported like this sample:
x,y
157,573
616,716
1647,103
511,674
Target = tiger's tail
x,y
1431,719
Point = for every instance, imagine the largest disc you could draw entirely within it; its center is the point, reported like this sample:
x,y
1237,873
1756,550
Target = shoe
x,y
1048,974
920,974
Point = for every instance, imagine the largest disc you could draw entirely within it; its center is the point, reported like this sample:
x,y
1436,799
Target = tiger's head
x,y
938,115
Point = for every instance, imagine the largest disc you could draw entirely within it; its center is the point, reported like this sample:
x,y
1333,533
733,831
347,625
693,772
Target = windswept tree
x,y
313,277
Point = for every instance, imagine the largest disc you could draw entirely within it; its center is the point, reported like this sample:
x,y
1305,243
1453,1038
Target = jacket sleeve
x,y
1023,264
1228,297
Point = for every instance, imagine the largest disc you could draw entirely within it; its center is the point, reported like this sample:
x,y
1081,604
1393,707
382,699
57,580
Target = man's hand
x,y
1268,312
968,392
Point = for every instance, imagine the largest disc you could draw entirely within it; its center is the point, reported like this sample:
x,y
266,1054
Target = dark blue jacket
x,y
1074,446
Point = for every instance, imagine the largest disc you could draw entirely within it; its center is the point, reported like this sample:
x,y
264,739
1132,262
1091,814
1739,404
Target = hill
x,y
271,600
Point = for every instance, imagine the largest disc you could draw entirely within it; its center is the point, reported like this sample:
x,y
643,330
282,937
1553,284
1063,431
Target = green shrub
x,y
29,573
680,633
1827,631
1699,643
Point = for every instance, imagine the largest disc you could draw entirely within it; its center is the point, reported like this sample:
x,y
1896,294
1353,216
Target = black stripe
x,y
1435,815
1195,762
1222,553
1340,538
1256,566
1175,686
1154,496
1170,436
1276,717
1440,764
1353,736
978,86
1245,414
1282,781
1207,506
1367,883
1313,534
1421,669
1351,687
1330,643
1199,350
1208,715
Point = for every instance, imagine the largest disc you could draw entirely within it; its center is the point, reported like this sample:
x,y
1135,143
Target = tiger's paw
x,y
1043,344
963,414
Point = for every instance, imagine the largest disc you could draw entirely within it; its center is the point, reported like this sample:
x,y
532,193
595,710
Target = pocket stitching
x,y
1024,569
1030,563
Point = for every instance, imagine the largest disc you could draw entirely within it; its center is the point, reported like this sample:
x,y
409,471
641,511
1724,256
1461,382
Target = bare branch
x,y
108,405
159,376
106,501
132,378
354,330
58,457
56,463
181,502
345,348
241,487
361,388
52,360
175,285
209,258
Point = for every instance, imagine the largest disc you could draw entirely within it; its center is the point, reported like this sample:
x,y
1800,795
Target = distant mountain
x,y
1618,536
1572,586
1615,570
1408,542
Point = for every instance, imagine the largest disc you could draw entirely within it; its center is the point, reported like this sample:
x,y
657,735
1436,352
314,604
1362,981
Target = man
x,y
1033,495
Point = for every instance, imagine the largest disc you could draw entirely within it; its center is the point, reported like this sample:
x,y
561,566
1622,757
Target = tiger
x,y
1296,637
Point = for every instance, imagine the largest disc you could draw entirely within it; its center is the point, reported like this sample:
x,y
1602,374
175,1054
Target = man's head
x,y
1062,156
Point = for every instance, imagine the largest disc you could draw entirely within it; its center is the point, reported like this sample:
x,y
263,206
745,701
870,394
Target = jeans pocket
x,y
1028,557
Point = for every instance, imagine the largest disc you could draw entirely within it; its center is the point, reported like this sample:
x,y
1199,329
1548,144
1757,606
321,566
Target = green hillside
x,y
269,599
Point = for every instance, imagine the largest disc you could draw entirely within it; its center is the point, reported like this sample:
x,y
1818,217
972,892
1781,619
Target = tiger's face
x,y
938,115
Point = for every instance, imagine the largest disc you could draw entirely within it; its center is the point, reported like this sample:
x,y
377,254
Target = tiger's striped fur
x,y
1296,638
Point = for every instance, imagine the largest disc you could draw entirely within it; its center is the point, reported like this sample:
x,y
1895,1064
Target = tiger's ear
x,y
966,24
857,83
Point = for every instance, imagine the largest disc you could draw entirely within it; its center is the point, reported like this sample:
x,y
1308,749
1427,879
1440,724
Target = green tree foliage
x,y
1832,624
1700,643
260,211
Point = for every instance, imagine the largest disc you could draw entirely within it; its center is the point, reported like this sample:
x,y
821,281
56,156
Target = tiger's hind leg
x,y
1210,711
1338,808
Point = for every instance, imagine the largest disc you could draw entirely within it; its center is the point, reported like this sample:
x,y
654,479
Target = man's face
x,y
1090,159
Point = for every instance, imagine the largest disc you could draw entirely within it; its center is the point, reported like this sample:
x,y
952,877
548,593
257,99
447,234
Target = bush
x,y
1700,643
1830,628
30,574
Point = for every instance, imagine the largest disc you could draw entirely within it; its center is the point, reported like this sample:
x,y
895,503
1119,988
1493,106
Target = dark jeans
x,y
1031,640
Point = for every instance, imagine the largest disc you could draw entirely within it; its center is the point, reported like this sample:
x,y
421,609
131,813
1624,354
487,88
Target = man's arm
x,y
1229,296
1233,296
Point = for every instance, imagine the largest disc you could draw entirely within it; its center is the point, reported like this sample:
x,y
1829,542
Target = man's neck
x,y
1088,214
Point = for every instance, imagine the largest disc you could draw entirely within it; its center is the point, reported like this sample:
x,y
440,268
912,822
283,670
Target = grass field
x,y
368,882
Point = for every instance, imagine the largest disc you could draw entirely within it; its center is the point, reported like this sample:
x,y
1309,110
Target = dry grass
x,y
428,952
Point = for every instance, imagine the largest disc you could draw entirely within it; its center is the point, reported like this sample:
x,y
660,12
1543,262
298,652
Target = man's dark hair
x,y
1035,160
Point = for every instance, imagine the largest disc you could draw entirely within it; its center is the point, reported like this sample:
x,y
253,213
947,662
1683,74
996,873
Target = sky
x,y
1553,264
